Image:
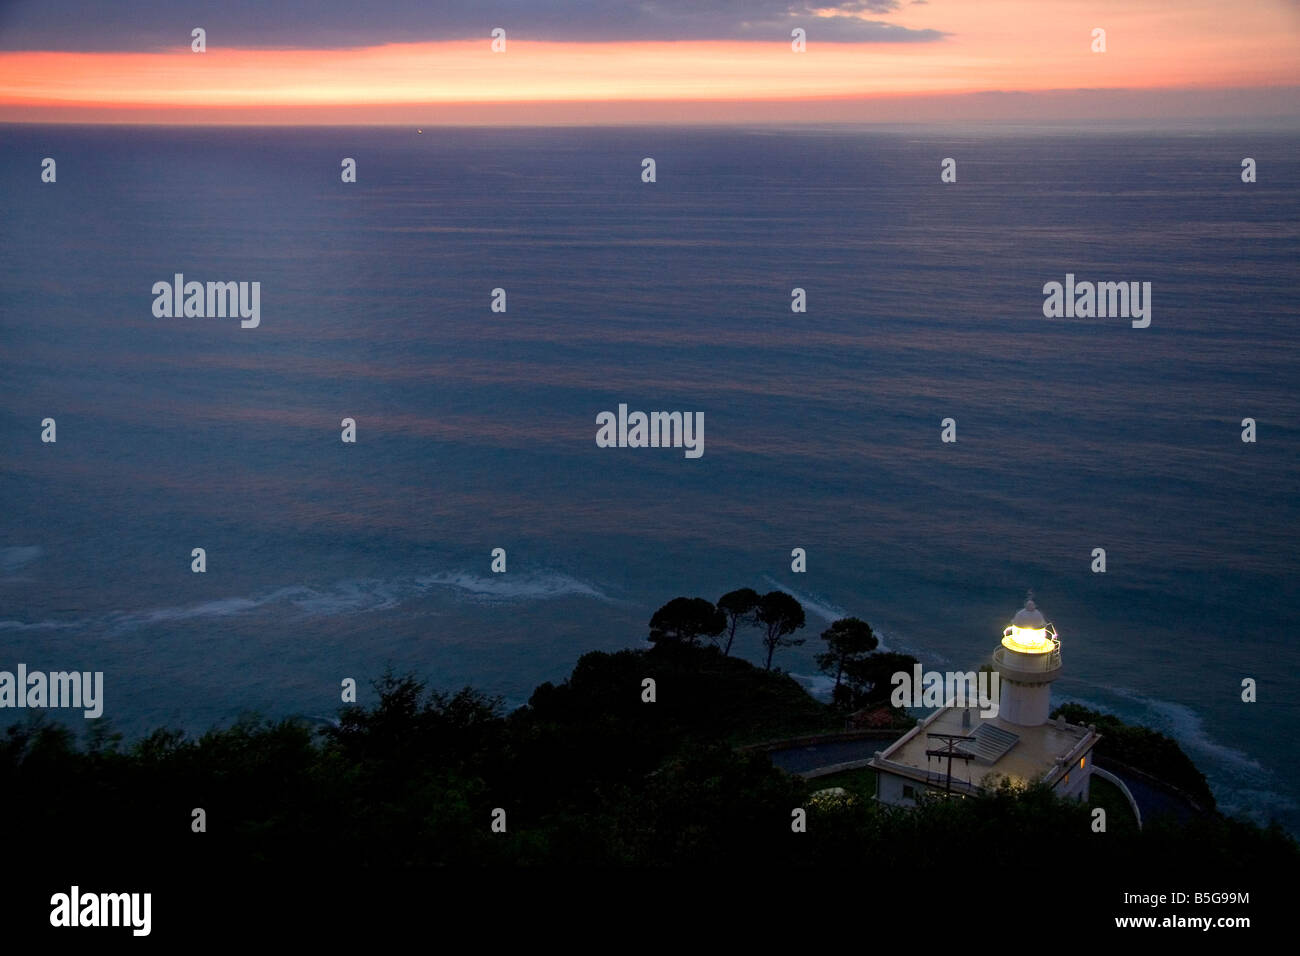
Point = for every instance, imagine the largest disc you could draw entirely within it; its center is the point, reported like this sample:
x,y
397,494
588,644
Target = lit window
x,y
1081,760
1066,780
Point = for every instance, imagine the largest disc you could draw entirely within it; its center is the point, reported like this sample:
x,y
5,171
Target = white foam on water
x,y
353,596
217,607
1239,781
23,626
1186,726
344,597
822,608
531,585
831,613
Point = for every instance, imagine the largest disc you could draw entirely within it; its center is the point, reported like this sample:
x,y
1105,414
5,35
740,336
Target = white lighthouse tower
x,y
1027,663
1017,744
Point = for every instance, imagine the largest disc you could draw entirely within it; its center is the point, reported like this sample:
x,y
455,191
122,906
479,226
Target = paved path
x,y
803,759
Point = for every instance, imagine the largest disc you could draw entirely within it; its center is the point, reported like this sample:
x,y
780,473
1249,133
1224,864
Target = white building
x,y
1019,744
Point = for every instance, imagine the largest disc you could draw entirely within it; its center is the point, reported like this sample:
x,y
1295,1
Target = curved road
x,y
1152,800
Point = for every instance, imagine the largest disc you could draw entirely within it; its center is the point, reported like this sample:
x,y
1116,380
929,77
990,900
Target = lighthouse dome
x,y
1029,617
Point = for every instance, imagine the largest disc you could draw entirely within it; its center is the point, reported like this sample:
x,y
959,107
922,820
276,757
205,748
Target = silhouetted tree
x,y
739,607
869,678
686,620
781,615
590,774
848,639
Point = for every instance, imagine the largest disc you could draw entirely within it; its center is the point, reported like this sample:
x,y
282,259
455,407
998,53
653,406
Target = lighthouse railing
x,y
1029,664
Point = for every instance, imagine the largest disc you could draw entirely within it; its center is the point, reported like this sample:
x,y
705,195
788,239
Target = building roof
x,y
1045,752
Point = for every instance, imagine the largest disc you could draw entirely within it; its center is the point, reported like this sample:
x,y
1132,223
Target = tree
x,y
869,678
847,640
686,620
739,607
781,615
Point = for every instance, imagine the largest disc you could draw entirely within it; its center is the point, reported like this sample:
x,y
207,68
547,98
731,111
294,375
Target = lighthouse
x,y
1027,663
959,749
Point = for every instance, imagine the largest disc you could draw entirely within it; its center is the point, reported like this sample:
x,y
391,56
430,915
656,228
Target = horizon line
x,y
1080,107
1263,124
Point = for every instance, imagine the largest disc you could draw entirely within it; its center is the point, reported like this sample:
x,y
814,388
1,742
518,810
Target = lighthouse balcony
x,y
1028,668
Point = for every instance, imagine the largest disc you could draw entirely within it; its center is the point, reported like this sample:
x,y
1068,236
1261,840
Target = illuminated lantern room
x,y
1029,632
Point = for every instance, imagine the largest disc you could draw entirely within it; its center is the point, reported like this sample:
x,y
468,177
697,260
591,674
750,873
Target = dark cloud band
x,y
145,25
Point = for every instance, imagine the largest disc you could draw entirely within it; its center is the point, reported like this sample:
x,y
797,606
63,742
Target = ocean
x,y
476,429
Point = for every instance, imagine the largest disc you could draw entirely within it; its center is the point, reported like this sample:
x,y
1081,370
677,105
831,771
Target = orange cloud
x,y
993,45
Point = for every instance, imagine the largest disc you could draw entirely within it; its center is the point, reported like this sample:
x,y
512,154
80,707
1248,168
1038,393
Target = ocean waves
x,y
352,596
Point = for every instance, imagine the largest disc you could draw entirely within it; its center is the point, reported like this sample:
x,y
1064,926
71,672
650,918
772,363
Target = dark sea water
x,y
822,430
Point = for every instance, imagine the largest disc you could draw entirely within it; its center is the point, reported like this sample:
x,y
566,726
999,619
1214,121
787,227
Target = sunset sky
x,y
576,61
